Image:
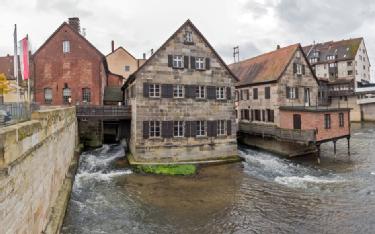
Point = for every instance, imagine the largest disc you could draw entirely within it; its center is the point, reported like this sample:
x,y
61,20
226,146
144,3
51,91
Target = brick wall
x,y
81,68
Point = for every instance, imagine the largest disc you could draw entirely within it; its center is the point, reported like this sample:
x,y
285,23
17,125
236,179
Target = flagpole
x,y
15,66
28,63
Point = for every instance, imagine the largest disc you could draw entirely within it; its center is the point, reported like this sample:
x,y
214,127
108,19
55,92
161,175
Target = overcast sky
x,y
256,26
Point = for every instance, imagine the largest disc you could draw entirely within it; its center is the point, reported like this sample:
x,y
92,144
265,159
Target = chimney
x,y
74,22
113,45
278,47
144,55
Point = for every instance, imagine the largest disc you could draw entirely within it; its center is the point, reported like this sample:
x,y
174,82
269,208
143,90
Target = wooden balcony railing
x,y
103,112
305,136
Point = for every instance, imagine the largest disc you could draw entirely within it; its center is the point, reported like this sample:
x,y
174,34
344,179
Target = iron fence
x,y
12,113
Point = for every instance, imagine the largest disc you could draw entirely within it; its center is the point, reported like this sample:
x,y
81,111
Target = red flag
x,y
24,57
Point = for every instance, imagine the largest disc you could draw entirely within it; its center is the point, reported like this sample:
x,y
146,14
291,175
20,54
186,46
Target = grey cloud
x,y
66,7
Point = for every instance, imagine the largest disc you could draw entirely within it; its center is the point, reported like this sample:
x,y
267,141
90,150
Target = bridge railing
x,y
103,111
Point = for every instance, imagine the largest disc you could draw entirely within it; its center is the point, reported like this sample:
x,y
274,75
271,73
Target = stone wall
x,y
368,112
34,160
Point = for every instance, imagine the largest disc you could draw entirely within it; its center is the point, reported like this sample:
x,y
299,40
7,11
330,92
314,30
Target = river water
x,y
263,194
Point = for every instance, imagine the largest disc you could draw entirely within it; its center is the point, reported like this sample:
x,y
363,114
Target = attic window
x,y
298,54
66,47
330,57
189,37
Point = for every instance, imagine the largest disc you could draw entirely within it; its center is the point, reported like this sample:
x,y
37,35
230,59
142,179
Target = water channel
x,y
263,194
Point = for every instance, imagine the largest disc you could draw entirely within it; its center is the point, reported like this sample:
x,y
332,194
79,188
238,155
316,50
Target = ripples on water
x,y
263,194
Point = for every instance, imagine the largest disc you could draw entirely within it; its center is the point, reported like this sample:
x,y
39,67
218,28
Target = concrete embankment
x,y
37,161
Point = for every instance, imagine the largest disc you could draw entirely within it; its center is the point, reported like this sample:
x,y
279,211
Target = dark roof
x,y
312,109
342,50
113,94
188,22
265,68
75,31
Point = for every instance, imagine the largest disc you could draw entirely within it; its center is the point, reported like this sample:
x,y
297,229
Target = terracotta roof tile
x,y
264,68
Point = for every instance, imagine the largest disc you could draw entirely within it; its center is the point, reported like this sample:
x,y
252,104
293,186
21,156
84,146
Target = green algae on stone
x,y
178,169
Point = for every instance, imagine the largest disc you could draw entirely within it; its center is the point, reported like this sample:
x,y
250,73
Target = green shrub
x,y
180,169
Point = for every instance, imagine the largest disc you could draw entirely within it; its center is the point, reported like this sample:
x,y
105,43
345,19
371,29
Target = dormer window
x,y
330,57
188,37
316,54
66,47
298,54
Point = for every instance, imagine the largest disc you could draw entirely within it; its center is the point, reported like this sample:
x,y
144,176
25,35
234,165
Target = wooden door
x,y
297,121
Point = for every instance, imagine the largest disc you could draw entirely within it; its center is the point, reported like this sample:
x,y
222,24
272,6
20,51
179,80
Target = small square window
x,y
127,68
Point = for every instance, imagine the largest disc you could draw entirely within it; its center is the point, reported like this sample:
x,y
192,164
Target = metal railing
x,y
12,113
103,112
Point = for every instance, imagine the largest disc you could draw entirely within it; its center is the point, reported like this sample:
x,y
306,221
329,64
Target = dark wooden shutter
x,y
294,68
192,62
267,91
208,64
187,128
186,62
167,129
146,129
229,127
287,92
297,92
212,128
167,91
303,69
193,128
146,89
211,92
296,121
190,91
229,93
170,61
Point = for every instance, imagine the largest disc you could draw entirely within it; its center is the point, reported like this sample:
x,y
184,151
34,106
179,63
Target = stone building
x,y
68,69
278,99
182,101
123,63
279,78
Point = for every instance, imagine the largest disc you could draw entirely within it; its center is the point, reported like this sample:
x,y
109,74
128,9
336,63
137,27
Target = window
x,y
313,60
255,93
220,93
188,36
341,119
178,128
270,115
86,95
298,54
154,128
201,92
257,115
221,127
331,57
127,68
178,61
364,67
201,128
292,93
66,47
333,65
350,72
316,54
67,95
350,63
267,92
199,63
247,97
263,115
327,121
178,91
154,90
47,95
299,69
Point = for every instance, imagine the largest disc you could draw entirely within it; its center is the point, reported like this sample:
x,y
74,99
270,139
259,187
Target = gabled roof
x,y
343,50
77,33
265,68
132,77
121,48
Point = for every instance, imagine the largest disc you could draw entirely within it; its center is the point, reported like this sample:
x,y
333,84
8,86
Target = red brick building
x,y
68,69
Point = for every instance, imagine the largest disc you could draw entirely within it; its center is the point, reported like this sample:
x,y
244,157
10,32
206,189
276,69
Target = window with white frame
x,y
332,65
67,94
66,47
298,54
178,91
178,128
292,92
221,127
154,90
86,95
200,92
199,63
331,57
313,60
201,128
48,95
155,129
316,54
299,69
178,61
188,36
220,93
